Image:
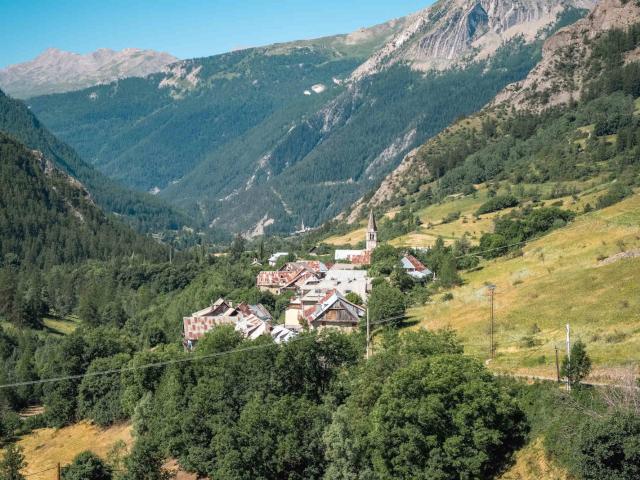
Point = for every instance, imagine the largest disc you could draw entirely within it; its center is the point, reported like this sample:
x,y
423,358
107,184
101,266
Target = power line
x,y
192,358
141,367
41,471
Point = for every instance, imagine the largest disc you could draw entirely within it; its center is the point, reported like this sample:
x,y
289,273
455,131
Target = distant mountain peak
x,y
449,31
57,71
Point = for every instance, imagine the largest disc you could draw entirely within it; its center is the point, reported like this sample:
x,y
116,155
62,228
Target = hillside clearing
x,y
45,447
532,462
558,279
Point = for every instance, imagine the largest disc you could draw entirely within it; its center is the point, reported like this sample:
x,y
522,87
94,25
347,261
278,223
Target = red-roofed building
x,y
251,320
333,311
414,267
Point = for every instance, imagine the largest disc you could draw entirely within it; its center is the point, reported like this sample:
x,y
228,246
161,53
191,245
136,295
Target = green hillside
x,y
144,212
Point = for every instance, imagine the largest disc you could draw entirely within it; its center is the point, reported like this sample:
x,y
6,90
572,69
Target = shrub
x,y
616,193
497,203
610,448
87,466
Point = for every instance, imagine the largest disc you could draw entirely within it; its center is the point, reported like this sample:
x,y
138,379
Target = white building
x,y
273,259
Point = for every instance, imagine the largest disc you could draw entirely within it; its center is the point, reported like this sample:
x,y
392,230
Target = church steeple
x,y
372,233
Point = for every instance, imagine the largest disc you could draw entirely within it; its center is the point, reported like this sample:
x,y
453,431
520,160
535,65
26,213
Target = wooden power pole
x,y
58,472
492,349
368,333
568,355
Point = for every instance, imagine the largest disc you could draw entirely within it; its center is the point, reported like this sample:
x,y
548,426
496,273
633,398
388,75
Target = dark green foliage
x,y
590,437
100,397
249,108
12,463
144,212
443,260
519,226
384,259
411,412
279,438
401,223
610,448
145,462
47,220
353,297
427,424
87,466
387,303
579,366
497,203
616,193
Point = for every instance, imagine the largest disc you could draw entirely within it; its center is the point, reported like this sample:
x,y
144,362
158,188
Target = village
x,y
323,295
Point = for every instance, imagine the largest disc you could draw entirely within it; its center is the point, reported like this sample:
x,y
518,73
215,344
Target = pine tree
x,y
12,463
579,366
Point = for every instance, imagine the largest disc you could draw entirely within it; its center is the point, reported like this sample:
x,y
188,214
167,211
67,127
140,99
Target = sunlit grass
x,y
556,281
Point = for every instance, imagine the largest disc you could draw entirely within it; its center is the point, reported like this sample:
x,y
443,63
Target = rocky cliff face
x,y
451,31
56,71
559,77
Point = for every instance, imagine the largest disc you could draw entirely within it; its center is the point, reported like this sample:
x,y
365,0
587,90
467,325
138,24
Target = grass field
x,y
432,216
44,448
61,326
531,462
557,280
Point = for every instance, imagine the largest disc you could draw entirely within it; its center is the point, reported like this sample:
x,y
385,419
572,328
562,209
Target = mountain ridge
x,y
58,71
281,123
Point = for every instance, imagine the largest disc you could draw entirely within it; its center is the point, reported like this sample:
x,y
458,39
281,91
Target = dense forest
x,y
315,407
142,211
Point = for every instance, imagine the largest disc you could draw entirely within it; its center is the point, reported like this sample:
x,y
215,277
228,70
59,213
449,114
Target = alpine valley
x,y
407,252
267,139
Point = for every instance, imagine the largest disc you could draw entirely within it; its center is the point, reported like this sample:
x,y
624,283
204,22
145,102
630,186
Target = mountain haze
x,y
55,71
305,127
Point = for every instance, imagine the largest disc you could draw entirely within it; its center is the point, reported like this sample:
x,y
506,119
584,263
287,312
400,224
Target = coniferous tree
x,y
12,463
578,367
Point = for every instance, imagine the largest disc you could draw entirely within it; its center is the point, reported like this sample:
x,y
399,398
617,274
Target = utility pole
x,y
58,471
368,333
492,292
557,364
568,354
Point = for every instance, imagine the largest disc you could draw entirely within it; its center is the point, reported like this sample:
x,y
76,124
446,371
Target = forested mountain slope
x,y
289,124
535,133
144,212
47,218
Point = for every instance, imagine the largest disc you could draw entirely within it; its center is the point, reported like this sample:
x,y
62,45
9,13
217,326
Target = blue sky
x,y
185,28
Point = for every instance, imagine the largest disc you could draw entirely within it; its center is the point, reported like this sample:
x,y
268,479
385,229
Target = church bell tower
x,y
372,233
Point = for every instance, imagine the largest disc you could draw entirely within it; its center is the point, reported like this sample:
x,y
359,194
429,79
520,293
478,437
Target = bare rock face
x,y
452,31
551,82
57,71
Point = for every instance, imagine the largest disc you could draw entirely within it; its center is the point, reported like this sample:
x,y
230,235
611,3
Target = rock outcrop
x,y
559,76
451,31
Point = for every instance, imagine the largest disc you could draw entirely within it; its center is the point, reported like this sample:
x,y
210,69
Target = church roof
x,y
372,227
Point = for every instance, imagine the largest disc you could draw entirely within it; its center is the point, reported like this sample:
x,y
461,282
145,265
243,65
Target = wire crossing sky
x,y
186,29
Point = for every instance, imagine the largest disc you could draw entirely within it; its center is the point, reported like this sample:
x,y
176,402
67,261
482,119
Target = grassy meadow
x,y
558,279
